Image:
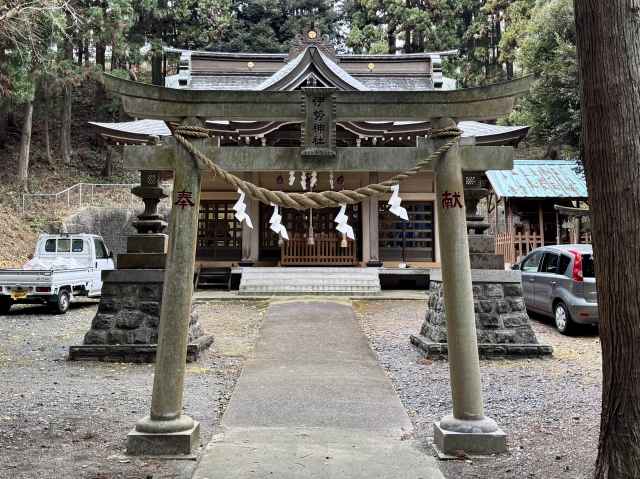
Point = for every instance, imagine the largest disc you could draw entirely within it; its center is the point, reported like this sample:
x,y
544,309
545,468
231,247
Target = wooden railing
x,y
325,251
513,246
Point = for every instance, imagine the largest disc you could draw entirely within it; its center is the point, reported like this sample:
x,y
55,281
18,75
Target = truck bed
x,y
21,277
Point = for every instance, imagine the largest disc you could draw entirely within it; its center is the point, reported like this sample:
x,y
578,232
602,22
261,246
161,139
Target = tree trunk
x,y
100,55
156,69
25,145
609,59
65,128
4,127
107,169
45,122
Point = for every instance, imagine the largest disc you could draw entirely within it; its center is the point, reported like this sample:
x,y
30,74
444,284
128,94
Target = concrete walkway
x,y
313,402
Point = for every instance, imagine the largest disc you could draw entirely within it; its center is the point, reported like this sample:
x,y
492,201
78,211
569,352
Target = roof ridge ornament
x,y
312,37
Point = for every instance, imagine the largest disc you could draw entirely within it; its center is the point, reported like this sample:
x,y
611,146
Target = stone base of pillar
x,y
451,444
125,328
374,264
246,263
163,444
502,323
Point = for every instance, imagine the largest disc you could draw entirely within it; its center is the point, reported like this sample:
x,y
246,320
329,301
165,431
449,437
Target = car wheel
x,y
5,305
562,318
62,305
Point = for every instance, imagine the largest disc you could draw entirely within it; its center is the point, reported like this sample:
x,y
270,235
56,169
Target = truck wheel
x,y
5,305
62,305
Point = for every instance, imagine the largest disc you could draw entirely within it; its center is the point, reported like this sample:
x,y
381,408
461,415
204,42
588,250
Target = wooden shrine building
x,y
381,238
537,203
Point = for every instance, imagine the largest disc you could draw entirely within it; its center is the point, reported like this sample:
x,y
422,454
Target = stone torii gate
x,y
166,430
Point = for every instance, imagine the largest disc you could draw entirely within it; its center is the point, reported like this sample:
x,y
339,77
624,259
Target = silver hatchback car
x,y
559,281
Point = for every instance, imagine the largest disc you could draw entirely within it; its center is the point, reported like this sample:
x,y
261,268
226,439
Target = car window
x,y
64,245
588,271
550,263
101,251
530,265
77,246
565,261
50,246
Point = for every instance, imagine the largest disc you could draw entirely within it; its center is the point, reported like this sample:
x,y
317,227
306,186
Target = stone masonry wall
x,y
129,313
500,313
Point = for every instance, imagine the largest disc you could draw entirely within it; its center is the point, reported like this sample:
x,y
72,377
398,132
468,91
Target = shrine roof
x,y
138,127
540,179
202,70
484,133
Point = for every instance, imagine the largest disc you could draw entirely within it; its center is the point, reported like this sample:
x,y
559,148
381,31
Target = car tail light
x,y
576,274
43,289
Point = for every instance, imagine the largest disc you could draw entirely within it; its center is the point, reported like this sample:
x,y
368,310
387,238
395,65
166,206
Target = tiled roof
x,y
540,179
159,128
309,61
475,128
386,83
139,127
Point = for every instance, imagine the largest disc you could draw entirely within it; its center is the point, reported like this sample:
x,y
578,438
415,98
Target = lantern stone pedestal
x,y
502,323
125,327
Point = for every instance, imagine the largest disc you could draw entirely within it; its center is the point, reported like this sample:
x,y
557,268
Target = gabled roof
x,y
312,62
540,179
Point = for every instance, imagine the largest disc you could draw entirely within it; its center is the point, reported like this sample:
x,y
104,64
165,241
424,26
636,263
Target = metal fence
x,y
81,195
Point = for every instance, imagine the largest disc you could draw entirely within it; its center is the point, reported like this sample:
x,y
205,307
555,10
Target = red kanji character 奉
x,y
184,199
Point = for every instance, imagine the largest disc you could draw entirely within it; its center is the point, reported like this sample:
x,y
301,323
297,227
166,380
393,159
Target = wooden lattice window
x,y
219,232
415,235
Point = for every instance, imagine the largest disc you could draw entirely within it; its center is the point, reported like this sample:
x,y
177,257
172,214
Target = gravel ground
x,y
64,419
548,407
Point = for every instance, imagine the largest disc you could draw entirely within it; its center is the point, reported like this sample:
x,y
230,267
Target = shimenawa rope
x,y
310,199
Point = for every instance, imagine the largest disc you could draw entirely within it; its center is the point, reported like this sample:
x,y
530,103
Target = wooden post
x,y
541,222
373,228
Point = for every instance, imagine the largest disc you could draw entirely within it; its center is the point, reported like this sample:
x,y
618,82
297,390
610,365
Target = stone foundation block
x,y
481,243
147,243
141,260
453,444
502,324
166,444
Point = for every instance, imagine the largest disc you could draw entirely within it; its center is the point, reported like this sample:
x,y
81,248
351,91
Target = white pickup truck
x,y
63,267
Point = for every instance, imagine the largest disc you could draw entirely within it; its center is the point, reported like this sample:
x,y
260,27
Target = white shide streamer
x,y
241,210
394,203
292,178
343,227
276,223
303,180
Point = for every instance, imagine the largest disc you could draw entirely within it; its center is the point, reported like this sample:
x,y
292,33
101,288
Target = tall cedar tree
x,y
609,58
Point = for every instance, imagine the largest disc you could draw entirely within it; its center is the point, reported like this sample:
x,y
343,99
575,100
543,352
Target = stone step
x,y
318,281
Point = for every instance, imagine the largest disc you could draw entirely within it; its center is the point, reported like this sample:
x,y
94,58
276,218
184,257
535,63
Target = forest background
x,y
51,52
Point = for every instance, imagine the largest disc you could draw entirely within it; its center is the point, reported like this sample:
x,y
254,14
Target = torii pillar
x,y
467,428
166,431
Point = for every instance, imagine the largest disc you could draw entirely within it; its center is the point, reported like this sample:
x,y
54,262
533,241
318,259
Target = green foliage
x,y
548,50
268,26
